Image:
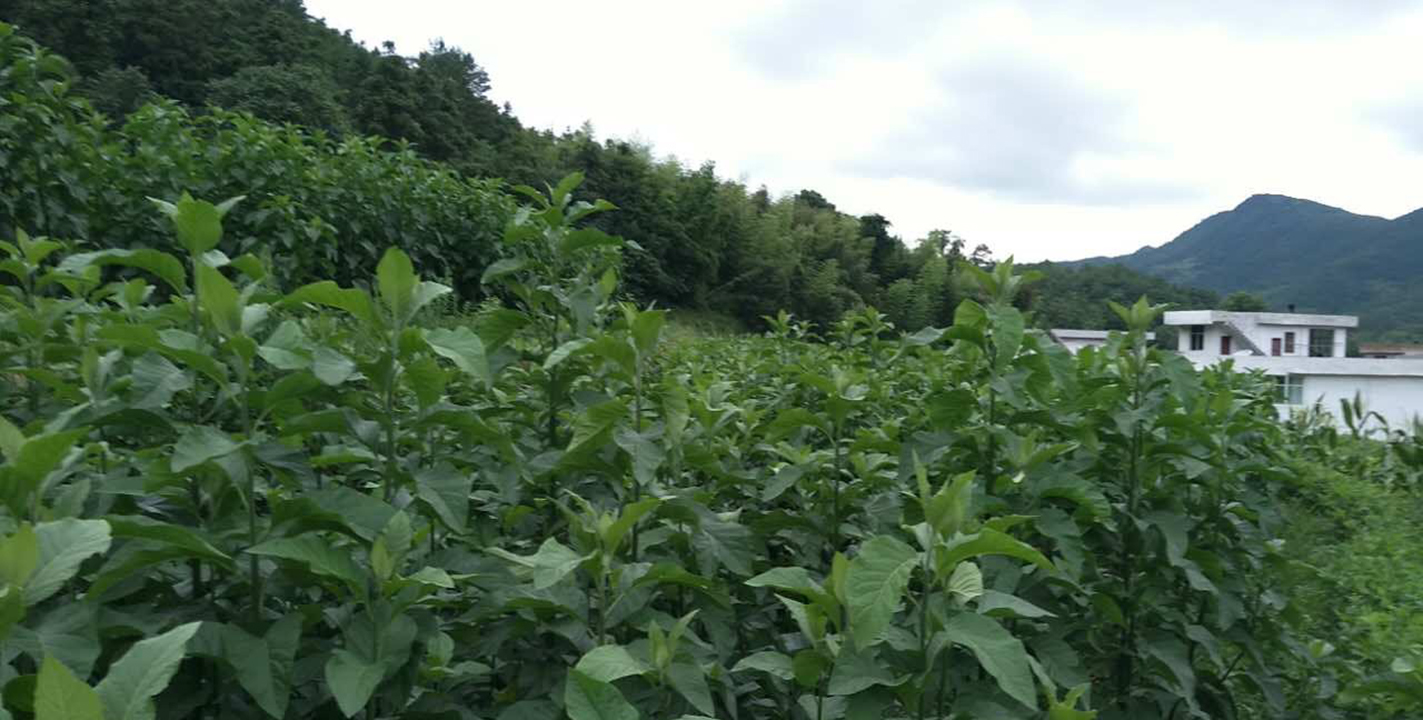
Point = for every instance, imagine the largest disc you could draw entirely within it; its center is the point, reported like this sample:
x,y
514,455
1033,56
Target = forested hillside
x,y
1297,252
705,242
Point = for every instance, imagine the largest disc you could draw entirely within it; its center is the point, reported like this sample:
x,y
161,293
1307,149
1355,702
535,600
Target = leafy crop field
x,y
230,492
221,500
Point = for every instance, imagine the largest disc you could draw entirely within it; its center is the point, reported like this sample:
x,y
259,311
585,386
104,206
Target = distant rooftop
x,y
1211,317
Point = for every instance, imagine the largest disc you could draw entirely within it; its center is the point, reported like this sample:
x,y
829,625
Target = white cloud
x,y
1045,129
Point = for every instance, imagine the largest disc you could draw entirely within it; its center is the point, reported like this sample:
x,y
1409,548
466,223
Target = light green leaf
x,y
168,268
395,276
723,542
219,298
177,537
63,545
19,556
200,444
607,663
462,347
143,672
877,578
355,302
1001,654
500,268
564,351
966,582
999,604
987,541
331,367
585,698
769,662
197,222
61,696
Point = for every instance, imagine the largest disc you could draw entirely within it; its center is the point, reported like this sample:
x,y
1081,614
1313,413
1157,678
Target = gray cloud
x,y
803,37
1403,120
1014,130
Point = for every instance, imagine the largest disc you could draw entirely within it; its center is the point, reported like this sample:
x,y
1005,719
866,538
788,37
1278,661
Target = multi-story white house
x,y
1306,355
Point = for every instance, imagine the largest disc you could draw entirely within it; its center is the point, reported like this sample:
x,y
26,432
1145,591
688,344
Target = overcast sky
x,y
1046,128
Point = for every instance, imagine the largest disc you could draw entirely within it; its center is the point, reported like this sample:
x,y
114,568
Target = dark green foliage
x,y
326,206
1296,252
1076,297
299,94
1242,301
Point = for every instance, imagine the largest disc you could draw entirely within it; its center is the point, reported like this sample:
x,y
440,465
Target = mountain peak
x,y
1271,202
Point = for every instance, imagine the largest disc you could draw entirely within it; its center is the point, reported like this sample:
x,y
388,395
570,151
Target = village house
x,y
1305,353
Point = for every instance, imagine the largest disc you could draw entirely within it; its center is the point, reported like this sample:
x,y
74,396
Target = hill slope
x,y
1316,257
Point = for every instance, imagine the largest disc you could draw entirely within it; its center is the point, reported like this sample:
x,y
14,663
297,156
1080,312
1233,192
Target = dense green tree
x,y
300,94
1243,301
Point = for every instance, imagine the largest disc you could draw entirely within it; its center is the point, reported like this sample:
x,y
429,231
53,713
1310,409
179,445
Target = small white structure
x,y
1074,339
1306,355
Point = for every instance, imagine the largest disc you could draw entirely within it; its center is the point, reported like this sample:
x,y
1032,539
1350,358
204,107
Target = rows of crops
x,y
223,501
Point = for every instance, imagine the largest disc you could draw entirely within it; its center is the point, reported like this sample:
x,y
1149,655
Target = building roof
x,y
1061,334
1363,367
1212,317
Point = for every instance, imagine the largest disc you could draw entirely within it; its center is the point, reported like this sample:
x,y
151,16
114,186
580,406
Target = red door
x,y
1224,344
1275,346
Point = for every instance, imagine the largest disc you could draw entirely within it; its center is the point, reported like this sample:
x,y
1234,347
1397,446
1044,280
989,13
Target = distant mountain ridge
x,y
1291,251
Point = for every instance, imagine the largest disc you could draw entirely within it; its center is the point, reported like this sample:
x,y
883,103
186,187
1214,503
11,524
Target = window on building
x,y
1289,389
1275,346
1289,343
1198,337
1224,344
1321,343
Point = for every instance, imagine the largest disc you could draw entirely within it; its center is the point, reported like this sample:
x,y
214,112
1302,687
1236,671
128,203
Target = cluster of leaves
x,y
326,207
223,500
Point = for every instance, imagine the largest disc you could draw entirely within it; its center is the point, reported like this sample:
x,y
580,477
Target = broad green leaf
x,y
69,634
198,224
395,276
607,663
769,662
156,381
61,696
355,302
550,564
190,542
317,554
999,604
966,581
220,299
426,293
390,547
500,268
627,518
63,545
1174,529
585,698
352,679
565,351
690,681
462,347
857,670
143,672
1001,654
794,579
723,542
19,556
168,268
200,444
1066,710
446,490
987,541
807,666
877,578
331,367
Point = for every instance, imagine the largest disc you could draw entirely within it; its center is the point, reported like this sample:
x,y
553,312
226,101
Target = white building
x,y
1074,339
1306,355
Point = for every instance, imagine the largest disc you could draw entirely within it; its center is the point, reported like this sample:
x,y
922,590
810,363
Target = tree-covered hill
x,y
707,243
1302,253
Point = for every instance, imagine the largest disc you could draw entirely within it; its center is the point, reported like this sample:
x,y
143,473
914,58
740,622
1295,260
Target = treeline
x,y
1075,297
704,242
